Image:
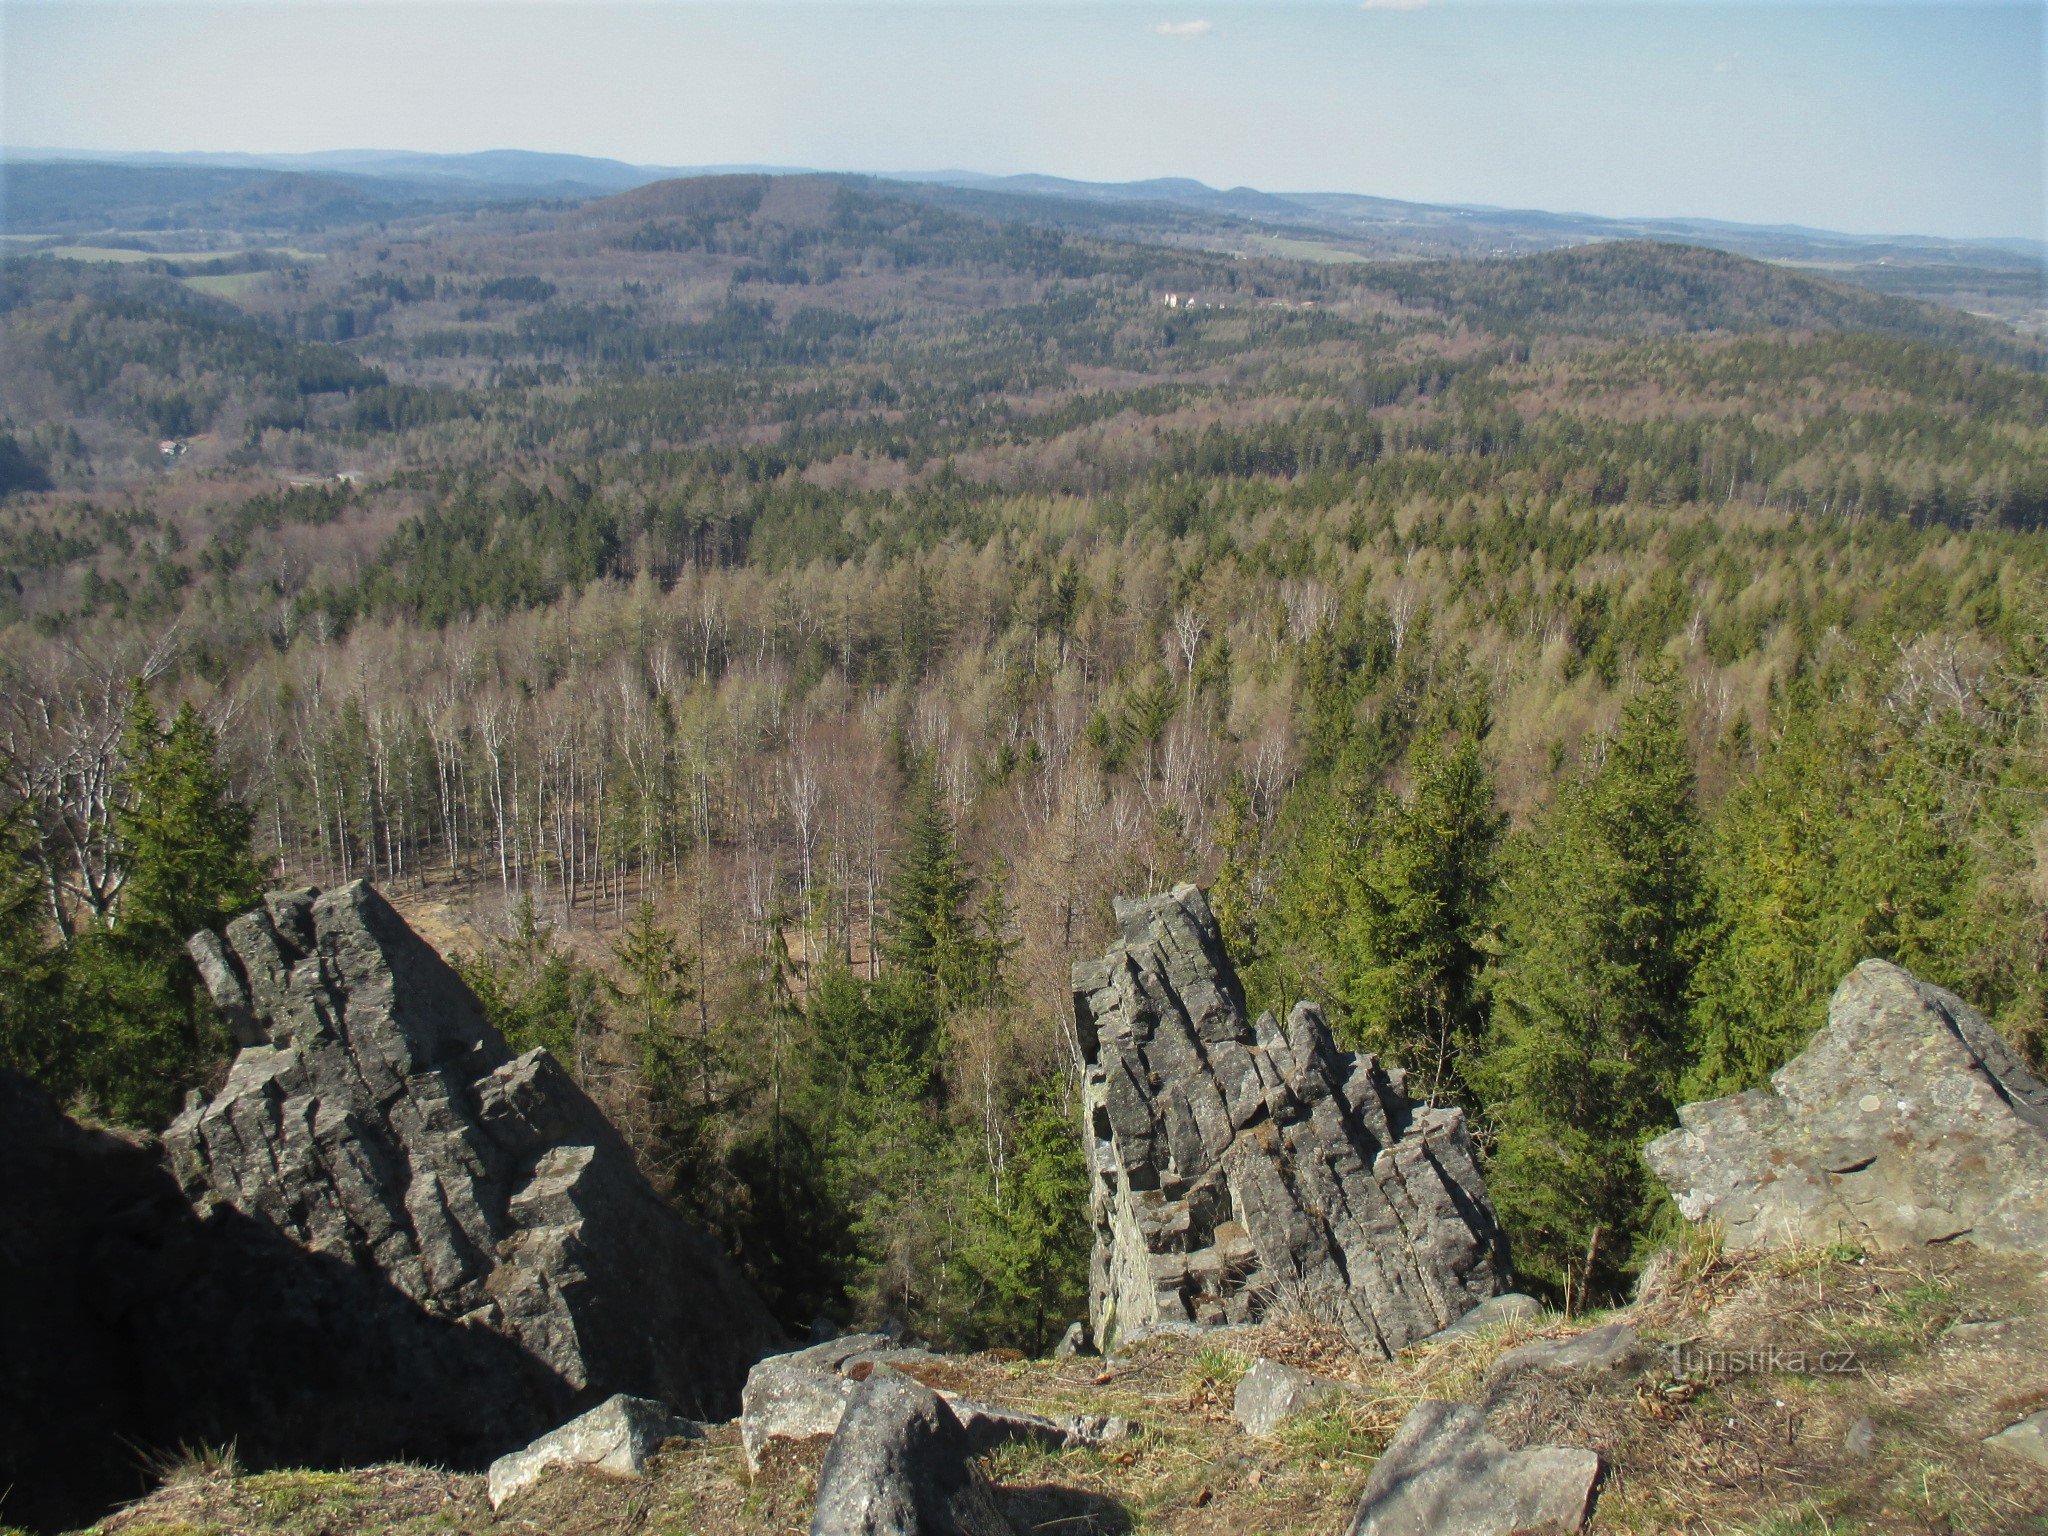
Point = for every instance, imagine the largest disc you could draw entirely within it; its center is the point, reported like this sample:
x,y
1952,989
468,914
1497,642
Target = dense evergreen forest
x,y
759,623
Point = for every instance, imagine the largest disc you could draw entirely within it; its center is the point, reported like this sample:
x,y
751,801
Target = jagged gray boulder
x,y
2027,1439
1611,1347
1239,1167
902,1465
1906,1121
1272,1392
374,1115
802,1395
1501,1311
619,1436
1445,1475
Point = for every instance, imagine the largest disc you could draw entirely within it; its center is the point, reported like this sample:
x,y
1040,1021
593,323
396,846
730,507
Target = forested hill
x,y
758,622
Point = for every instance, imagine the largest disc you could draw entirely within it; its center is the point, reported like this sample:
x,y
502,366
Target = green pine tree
x,y
1028,1237
535,992
183,836
929,933
1415,929
143,1028
1605,917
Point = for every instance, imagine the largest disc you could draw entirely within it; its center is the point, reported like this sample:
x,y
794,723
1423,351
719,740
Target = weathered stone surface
x,y
2027,1439
1444,1475
1610,1347
1861,1439
802,1395
1495,1312
132,1325
989,1427
375,1116
1906,1121
1271,1393
1239,1167
1073,1342
619,1436
902,1465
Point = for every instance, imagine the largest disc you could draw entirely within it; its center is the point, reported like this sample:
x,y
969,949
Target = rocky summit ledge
x,y
1907,1122
375,1116
1240,1168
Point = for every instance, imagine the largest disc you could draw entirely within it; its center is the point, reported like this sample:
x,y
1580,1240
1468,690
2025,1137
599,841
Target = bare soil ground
x,y
1936,1352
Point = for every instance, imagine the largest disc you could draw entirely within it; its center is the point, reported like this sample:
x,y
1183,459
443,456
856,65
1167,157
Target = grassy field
x,y
227,285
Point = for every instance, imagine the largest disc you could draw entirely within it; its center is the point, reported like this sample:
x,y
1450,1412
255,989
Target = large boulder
x,y
618,1437
802,1395
1906,1121
1271,1393
1444,1474
375,1116
1238,1166
132,1326
902,1465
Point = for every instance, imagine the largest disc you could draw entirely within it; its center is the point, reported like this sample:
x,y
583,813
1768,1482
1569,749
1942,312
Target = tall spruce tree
x,y
929,933
1843,845
144,1030
1605,916
1028,1236
1415,928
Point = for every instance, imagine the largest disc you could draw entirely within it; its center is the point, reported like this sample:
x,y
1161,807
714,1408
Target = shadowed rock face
x,y
1906,1121
1237,1167
375,1116
132,1326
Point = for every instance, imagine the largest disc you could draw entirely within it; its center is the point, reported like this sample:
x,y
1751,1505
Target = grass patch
x,y
1214,1373
284,1496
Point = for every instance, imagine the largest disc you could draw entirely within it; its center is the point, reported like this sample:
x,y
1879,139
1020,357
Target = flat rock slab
x,y
1496,1312
618,1436
2027,1439
1444,1475
1610,1347
901,1464
1908,1120
1271,1393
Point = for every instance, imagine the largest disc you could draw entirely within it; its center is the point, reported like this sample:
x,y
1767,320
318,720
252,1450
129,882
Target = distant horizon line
x,y
269,160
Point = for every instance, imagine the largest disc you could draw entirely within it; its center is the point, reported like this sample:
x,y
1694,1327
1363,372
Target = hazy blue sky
x,y
1924,117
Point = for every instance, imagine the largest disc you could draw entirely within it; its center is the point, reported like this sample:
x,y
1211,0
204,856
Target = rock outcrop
x,y
374,1116
1238,1167
902,1465
1906,1121
1444,1474
618,1437
803,1395
1271,1393
132,1325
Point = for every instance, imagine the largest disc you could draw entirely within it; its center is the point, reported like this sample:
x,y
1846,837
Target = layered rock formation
x,y
132,1326
1239,1167
1906,1121
375,1116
